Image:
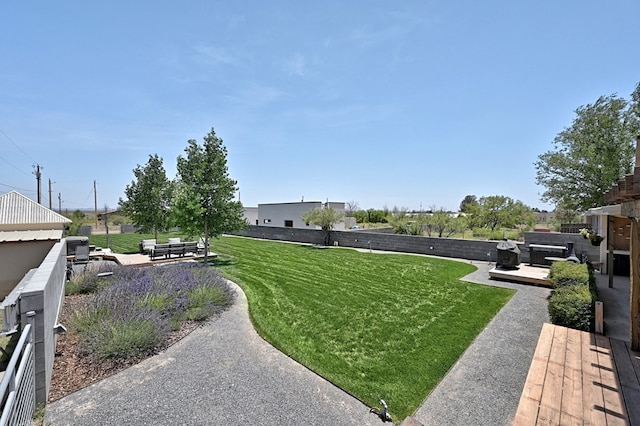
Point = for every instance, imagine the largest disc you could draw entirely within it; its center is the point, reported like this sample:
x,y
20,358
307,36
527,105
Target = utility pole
x,y
59,203
95,202
106,222
50,194
38,176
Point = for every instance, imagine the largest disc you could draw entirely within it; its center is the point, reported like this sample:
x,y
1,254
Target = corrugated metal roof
x,y
40,235
17,209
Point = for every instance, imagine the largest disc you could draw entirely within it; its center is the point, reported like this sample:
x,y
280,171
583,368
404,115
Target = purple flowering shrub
x,y
133,311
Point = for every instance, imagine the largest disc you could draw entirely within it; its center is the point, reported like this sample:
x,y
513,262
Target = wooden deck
x,y
136,259
524,274
579,378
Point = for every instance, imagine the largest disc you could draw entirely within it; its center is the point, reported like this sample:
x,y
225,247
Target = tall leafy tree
x,y
467,202
497,211
592,154
324,217
148,197
204,202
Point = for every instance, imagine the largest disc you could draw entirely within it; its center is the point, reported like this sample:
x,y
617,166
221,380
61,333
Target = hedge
x,y
572,306
564,274
571,303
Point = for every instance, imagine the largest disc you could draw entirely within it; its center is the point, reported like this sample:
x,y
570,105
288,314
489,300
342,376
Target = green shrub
x,y
572,306
133,338
205,301
564,274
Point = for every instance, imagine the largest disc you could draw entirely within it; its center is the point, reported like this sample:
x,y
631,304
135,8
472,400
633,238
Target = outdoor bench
x,y
146,245
191,247
159,250
177,249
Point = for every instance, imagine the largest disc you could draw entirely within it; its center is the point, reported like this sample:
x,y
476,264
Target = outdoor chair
x,y
81,255
201,246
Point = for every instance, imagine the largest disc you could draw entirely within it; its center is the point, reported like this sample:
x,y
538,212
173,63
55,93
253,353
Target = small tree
x,y
361,216
204,201
498,211
77,219
148,197
441,220
324,217
351,207
399,221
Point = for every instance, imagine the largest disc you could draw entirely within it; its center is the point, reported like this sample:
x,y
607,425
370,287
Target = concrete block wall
x,y
446,247
309,236
481,250
43,294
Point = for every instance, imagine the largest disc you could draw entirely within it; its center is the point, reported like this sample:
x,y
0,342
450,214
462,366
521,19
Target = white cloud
x,y
214,55
297,65
255,95
235,21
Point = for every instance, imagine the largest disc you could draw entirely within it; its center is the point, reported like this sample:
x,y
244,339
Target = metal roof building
x,y
28,231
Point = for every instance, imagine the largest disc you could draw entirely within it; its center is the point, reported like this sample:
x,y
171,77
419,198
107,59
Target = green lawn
x,y
377,325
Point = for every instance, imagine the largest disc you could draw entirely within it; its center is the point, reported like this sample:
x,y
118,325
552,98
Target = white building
x,y
289,215
251,215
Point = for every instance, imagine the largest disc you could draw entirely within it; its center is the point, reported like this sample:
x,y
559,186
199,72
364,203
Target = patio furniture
x,y
81,255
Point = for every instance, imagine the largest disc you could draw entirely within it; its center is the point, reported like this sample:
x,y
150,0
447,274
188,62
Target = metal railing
x,y
18,386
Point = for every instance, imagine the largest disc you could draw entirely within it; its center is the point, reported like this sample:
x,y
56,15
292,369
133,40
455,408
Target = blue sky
x,y
407,104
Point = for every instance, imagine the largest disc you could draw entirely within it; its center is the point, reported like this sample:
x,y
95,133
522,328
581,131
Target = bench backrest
x,y
147,244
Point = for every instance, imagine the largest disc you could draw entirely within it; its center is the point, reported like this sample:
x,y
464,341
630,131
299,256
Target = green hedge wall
x,y
574,292
564,274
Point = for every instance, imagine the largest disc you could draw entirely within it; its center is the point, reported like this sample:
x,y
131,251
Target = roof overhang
x,y
39,235
612,210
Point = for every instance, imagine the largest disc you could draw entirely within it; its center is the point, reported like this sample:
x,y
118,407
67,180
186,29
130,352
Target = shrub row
x,y
574,293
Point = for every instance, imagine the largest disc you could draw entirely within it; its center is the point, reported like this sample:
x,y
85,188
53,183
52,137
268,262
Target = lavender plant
x,y
131,313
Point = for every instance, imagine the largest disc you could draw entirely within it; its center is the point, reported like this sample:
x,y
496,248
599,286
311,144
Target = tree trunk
x,y
206,243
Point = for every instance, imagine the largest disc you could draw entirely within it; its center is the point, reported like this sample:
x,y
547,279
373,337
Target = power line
x,y
20,170
19,189
17,146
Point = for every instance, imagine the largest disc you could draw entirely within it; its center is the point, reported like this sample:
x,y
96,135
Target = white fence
x,y
18,387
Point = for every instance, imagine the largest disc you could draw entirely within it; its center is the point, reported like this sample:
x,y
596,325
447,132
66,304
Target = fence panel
x,y
18,387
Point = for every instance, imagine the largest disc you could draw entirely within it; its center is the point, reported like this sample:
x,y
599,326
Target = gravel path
x,y
225,374
221,374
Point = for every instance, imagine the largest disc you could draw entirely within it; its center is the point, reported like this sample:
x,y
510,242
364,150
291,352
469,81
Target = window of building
x,y
267,221
288,224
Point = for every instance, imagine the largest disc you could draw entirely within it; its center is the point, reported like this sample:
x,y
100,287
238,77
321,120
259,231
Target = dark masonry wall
x,y
480,250
446,247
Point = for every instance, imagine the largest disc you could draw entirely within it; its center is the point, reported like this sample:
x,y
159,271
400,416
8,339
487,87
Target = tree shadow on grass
x,y
222,262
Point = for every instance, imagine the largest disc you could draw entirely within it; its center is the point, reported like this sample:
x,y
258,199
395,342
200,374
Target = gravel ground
x,y
221,374
225,374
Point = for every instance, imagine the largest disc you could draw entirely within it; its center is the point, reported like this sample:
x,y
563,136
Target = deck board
x,y
591,394
579,378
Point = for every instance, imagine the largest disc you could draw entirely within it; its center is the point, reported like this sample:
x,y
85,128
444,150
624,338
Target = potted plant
x,y
595,239
585,232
